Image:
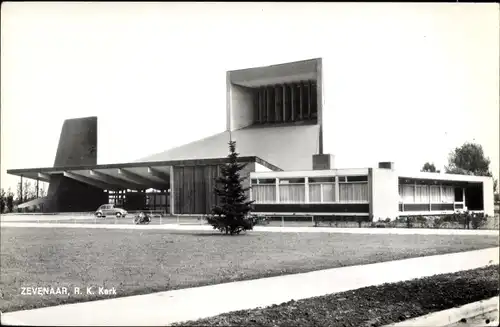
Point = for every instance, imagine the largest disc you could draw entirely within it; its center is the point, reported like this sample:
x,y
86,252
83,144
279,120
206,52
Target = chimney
x,y
386,165
323,161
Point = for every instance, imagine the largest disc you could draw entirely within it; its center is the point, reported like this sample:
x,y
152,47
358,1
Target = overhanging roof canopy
x,y
133,175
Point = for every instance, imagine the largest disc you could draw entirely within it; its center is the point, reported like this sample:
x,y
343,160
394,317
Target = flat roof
x,y
131,175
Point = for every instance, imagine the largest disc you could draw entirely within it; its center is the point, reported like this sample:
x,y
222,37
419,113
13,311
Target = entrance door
x,y
474,196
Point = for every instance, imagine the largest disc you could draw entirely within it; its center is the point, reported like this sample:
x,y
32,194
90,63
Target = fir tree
x,y
231,213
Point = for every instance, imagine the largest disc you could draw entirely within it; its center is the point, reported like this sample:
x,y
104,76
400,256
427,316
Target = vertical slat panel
x,y
217,173
188,190
262,104
284,103
178,185
292,102
265,105
270,104
301,100
314,100
308,98
256,105
211,174
278,96
208,189
199,190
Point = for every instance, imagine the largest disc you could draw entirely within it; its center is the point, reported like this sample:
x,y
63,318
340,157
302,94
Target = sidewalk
x,y
195,303
190,227
474,314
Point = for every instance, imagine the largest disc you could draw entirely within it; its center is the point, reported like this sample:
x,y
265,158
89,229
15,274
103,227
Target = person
x,y
144,217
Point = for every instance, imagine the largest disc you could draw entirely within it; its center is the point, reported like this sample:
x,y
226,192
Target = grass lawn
x,y
145,261
371,306
128,220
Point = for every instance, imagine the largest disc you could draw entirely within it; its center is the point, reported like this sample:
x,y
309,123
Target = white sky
x,y
403,82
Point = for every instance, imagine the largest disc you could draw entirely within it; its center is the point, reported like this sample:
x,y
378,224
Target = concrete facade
x,y
77,146
384,193
381,197
276,116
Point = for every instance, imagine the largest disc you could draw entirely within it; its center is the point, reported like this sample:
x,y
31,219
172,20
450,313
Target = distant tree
x,y
10,200
231,216
19,193
29,191
3,200
469,159
429,168
42,191
495,190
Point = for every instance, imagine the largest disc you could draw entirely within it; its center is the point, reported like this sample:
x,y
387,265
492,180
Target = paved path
x,y
194,227
194,303
36,218
475,314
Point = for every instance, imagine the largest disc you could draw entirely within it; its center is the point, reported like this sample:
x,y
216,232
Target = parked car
x,y
110,210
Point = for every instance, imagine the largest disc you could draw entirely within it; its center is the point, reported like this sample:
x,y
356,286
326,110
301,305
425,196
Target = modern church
x,y
275,115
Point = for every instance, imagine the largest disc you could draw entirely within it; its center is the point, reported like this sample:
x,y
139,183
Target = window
x,y
265,191
292,181
315,193
328,192
292,190
353,192
435,194
357,178
422,194
448,194
322,189
408,193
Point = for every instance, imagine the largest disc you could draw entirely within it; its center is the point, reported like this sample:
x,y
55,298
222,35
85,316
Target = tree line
x,y
468,159
28,192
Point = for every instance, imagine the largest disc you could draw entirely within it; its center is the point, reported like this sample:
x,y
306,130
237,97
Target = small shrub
x,y
359,219
259,220
478,220
409,222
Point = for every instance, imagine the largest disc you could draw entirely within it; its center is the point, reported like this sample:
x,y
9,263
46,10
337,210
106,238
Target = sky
x,y
402,82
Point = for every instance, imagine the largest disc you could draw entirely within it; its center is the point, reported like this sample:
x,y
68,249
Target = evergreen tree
x,y
231,213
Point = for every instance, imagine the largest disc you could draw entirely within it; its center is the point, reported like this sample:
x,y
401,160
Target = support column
x,y
292,102
441,193
415,192
463,198
172,193
430,197
306,185
21,191
277,183
337,189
